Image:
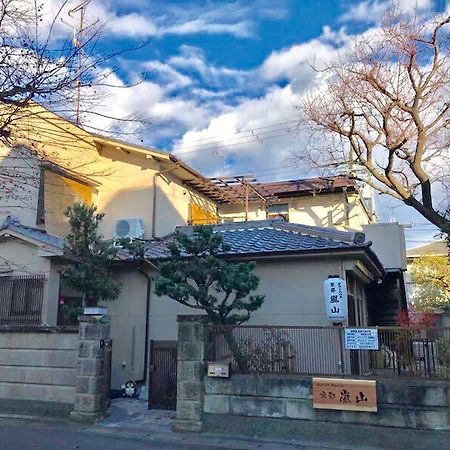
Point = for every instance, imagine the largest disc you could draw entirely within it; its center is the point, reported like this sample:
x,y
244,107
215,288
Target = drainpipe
x,y
155,181
346,208
147,321
147,326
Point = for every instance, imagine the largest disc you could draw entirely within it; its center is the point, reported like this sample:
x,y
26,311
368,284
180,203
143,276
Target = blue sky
x,y
224,78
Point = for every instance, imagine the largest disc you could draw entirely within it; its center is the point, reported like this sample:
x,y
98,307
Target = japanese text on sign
x,y
355,395
335,293
361,339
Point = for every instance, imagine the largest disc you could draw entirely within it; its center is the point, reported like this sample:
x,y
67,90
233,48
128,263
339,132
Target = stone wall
x,y
282,404
261,403
92,379
38,368
192,339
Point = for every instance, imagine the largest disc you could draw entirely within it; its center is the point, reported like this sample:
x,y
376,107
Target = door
x,y
163,375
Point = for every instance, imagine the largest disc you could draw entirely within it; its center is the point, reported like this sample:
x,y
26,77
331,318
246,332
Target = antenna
x,y
78,30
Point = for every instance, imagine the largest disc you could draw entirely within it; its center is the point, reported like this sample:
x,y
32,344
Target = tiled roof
x,y
268,237
437,248
13,224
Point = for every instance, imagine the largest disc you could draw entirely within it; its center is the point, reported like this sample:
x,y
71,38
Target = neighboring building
x,y
436,248
388,241
324,202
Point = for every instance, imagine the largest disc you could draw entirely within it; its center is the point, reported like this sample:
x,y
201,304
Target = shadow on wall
x,y
138,204
19,181
334,216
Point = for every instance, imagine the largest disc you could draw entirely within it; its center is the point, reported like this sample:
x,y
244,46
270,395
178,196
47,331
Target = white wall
x,y
388,242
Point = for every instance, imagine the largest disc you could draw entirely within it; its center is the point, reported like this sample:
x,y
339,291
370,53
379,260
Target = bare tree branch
x,y
386,110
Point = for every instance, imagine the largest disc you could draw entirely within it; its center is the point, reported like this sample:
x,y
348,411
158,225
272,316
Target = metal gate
x,y
163,375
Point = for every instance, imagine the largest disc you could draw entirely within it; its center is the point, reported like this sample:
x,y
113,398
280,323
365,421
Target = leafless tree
x,y
41,64
383,111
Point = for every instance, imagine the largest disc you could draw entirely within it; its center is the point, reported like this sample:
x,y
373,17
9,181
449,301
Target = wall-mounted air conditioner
x,y
129,229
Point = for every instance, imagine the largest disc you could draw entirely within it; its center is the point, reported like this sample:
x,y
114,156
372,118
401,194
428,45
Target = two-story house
x,y
146,193
47,165
336,202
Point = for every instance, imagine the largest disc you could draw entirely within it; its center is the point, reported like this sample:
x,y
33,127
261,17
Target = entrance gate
x,y
163,375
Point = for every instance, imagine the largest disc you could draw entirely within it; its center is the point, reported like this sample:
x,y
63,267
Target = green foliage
x,y
431,274
197,277
90,256
68,314
446,231
443,347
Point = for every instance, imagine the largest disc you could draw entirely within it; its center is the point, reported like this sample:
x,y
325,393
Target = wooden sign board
x,y
349,395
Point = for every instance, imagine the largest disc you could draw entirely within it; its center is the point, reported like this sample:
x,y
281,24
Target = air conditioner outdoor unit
x,y
129,229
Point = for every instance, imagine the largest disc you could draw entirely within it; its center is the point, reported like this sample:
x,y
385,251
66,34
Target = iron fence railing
x,y
21,299
402,352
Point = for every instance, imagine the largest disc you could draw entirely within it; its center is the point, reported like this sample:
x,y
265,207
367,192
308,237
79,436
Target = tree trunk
x,y
429,213
239,357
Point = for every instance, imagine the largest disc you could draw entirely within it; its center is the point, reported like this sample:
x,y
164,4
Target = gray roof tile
x,y
13,224
268,236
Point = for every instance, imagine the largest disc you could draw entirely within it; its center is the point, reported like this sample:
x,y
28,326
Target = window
x,y
21,299
278,210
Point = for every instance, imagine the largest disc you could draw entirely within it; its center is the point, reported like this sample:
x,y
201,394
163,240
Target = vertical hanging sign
x,y
335,293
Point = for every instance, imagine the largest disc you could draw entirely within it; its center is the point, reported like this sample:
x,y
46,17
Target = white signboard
x,y
335,293
361,339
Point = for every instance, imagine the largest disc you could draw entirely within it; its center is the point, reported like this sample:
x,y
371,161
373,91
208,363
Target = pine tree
x,y
197,277
90,256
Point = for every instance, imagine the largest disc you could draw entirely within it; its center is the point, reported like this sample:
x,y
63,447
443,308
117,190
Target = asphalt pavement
x,y
33,435
131,426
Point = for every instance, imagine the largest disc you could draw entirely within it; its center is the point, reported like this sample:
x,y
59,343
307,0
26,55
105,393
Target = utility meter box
x,y
218,370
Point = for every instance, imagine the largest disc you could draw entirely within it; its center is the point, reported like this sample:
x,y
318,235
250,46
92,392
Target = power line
x,y
246,140
221,138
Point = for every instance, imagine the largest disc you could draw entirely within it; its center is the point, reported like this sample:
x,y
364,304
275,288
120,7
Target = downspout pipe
x,y
147,320
147,326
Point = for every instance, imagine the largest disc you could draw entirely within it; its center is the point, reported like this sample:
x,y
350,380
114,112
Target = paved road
x,y
21,434
26,435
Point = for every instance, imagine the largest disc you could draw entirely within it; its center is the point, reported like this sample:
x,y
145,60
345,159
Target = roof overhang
x,y
70,174
44,248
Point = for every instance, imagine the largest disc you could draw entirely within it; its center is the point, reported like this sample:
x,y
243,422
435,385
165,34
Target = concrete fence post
x,y
90,400
191,369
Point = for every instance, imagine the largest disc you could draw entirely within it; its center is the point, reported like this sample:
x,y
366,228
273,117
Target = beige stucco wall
x,y
18,257
323,210
293,290
294,296
125,179
19,197
22,257
128,327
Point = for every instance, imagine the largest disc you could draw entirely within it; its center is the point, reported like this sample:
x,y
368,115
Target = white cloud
x,y
142,20
372,11
193,59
